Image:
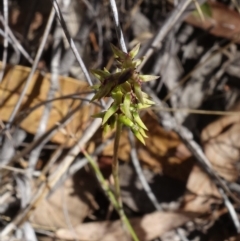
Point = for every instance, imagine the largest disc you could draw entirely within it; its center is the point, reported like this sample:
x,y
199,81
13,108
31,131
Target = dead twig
x,y
5,41
71,42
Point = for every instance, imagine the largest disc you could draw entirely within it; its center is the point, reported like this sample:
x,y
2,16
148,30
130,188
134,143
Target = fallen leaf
x,y
12,86
220,141
201,193
69,204
224,22
147,228
221,145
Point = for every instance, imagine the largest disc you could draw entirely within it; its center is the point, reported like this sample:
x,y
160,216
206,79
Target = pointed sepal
x,y
112,110
138,120
125,107
138,92
138,135
117,52
146,78
99,74
134,51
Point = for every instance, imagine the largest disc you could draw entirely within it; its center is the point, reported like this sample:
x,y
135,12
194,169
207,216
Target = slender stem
x,y
118,26
110,195
5,41
71,42
34,67
115,164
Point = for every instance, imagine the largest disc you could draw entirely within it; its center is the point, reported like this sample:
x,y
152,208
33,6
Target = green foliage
x,y
124,87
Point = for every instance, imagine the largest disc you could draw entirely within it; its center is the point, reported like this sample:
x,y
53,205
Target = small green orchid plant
x,y
124,87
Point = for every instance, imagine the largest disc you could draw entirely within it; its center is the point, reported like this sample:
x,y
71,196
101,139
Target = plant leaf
x,y
113,109
125,120
102,92
126,87
125,107
134,51
99,74
143,133
138,120
138,135
106,129
146,78
148,102
118,53
138,92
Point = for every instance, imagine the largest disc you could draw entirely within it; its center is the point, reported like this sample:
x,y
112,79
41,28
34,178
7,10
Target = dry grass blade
x,y
5,41
33,69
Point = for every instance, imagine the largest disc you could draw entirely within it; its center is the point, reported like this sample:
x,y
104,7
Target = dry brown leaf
x,y
222,147
202,193
223,23
148,227
68,205
12,85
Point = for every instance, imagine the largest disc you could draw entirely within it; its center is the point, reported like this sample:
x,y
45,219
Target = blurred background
x,y
183,184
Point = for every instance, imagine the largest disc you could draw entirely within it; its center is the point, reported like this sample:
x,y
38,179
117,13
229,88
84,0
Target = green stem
x,y
115,163
111,196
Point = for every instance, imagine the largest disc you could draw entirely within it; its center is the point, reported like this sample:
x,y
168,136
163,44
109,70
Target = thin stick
x,y
54,85
2,33
197,67
36,60
117,26
16,43
199,10
165,29
141,176
5,41
194,111
48,134
77,165
144,182
231,209
71,42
